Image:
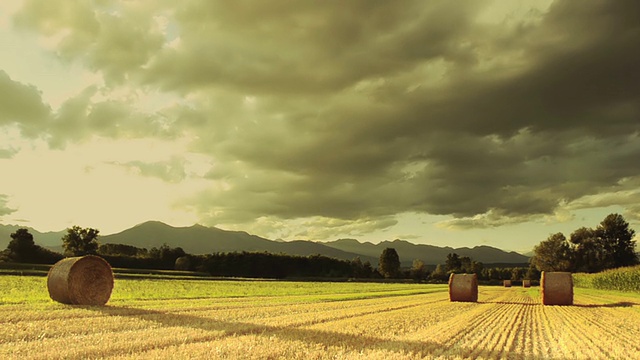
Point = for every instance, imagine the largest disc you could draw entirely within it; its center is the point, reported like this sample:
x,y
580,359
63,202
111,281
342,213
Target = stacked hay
x,y
507,283
463,287
556,288
85,280
526,283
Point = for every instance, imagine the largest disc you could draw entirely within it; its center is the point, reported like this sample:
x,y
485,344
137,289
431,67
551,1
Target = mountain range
x,y
198,239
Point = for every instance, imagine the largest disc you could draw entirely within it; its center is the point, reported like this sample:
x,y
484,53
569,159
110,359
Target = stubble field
x,y
315,321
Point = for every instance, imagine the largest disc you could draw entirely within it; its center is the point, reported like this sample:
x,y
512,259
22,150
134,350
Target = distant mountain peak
x,y
200,239
349,240
151,223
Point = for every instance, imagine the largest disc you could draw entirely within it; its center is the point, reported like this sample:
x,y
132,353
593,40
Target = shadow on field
x,y
612,305
509,303
296,332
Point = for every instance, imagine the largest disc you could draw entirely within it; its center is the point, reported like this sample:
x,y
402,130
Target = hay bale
x,y
556,288
526,283
507,283
463,287
84,280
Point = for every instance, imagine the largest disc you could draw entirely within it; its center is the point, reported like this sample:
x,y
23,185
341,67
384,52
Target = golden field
x,y
506,323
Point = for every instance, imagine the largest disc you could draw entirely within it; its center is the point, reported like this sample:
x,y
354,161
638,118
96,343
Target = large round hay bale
x,y
526,283
84,280
507,283
556,288
183,263
463,287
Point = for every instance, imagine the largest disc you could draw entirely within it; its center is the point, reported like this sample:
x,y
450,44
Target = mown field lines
x,y
508,323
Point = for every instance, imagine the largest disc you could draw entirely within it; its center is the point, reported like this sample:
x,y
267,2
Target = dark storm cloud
x,y
367,109
303,48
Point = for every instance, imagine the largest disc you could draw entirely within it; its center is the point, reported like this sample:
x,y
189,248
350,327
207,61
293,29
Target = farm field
x,y
287,320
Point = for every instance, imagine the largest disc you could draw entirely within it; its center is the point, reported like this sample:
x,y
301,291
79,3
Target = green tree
x,y
616,238
167,255
553,254
418,269
453,263
389,265
439,273
368,269
518,273
588,250
476,267
466,264
80,241
361,270
532,272
121,250
21,248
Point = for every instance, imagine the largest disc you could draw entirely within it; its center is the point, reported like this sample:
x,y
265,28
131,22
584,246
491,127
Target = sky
x,y
451,123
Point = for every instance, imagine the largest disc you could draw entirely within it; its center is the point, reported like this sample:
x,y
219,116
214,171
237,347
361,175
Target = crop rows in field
x,y
506,323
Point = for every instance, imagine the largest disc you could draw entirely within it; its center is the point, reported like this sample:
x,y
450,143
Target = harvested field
x,y
504,323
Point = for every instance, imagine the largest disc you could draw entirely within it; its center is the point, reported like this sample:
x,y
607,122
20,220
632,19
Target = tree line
x,y
79,241
608,246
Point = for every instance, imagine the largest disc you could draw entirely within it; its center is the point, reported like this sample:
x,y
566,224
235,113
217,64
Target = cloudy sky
x,y
455,123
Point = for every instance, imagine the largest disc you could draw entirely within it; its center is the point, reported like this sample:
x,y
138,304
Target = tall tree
x,y
418,270
588,250
617,240
21,247
389,265
553,254
439,273
80,241
453,263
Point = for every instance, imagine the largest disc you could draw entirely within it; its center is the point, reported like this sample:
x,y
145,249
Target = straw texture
x,y
85,280
556,288
463,287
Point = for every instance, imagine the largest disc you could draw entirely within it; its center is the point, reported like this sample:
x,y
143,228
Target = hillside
x,y
430,254
47,239
198,239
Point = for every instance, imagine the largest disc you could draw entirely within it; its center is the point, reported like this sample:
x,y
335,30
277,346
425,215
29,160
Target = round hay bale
x,y
83,280
463,287
526,283
556,288
507,283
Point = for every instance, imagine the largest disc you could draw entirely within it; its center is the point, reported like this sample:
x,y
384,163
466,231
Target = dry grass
x,y
504,324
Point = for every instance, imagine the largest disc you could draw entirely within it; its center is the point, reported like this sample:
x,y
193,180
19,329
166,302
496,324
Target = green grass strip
x,y
32,289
